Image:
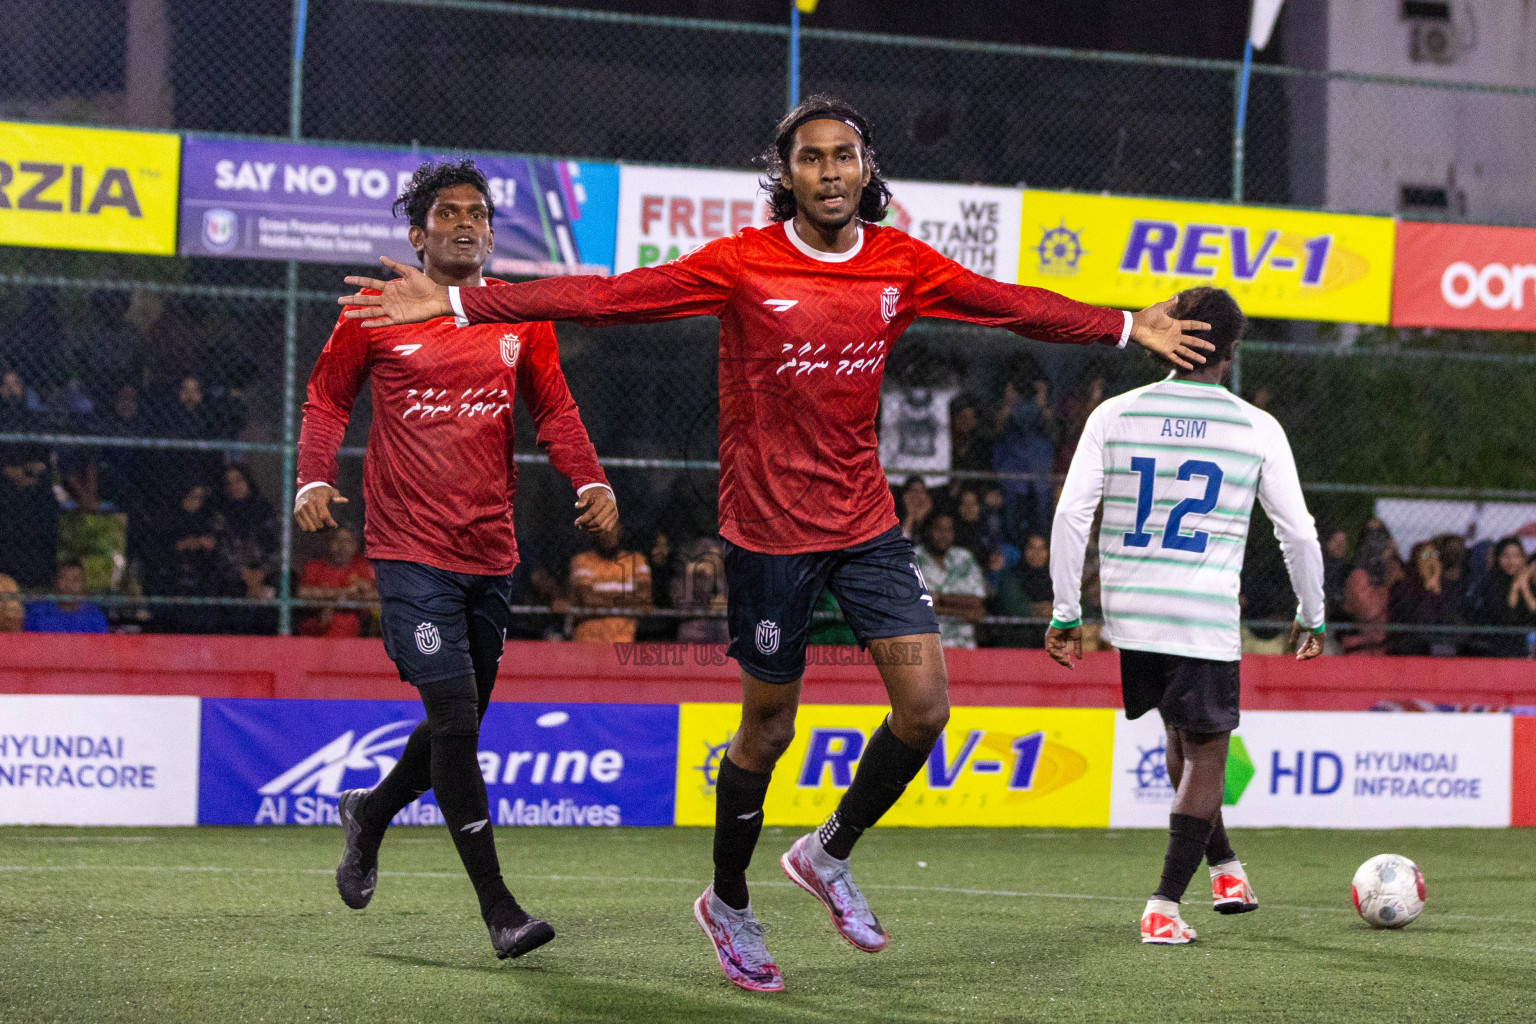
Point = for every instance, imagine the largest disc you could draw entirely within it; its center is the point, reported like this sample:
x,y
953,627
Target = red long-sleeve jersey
x,y
803,342
438,476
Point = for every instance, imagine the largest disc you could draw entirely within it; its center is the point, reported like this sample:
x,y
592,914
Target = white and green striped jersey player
x,y
1177,465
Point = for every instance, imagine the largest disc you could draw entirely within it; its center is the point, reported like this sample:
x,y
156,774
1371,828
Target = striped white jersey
x,y
1177,465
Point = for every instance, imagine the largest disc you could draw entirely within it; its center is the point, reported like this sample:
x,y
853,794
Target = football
x,y
1388,891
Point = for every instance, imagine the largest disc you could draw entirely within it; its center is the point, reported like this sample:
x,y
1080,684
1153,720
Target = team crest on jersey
x,y
428,639
510,346
767,637
888,299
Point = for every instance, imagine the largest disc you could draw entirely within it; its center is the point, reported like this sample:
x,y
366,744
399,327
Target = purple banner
x,y
331,204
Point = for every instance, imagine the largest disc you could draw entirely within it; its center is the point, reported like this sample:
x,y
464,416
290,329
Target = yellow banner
x,y
88,188
994,766
1287,264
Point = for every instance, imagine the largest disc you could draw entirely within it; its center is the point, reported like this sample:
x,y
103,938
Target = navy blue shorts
x,y
770,600
440,624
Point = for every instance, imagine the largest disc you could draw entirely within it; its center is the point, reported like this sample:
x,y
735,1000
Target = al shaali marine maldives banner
x,y
284,762
331,204
1288,264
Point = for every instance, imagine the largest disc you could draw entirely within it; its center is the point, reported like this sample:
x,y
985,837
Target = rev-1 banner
x,y
331,204
284,762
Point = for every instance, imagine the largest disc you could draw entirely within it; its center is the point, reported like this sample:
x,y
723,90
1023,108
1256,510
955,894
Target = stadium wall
x,y
141,730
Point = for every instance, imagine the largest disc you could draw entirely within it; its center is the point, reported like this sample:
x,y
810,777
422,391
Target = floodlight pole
x,y
794,54
1241,122
291,344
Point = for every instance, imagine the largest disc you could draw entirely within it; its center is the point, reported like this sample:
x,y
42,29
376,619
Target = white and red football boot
x,y
1230,889
1162,926
828,879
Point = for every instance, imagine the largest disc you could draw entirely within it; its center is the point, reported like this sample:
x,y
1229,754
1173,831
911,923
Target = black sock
x,y
1187,835
738,821
885,768
455,731
1218,849
408,779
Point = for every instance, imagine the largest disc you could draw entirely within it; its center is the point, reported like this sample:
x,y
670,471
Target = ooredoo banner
x,y
1460,275
332,204
285,762
992,766
1332,770
77,760
1288,264
88,188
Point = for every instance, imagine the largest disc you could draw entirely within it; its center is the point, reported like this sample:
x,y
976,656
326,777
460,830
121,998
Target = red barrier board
x,y
1467,276
302,667
1522,783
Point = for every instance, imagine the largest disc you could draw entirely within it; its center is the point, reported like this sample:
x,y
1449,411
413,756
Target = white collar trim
x,y
793,235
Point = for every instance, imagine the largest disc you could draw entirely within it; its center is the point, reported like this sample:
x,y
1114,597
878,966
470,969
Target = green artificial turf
x,y
174,925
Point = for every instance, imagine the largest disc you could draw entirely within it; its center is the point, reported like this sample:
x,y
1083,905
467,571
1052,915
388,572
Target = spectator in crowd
x,y
954,579
1508,599
992,502
1023,591
1335,573
609,577
342,575
128,476
250,532
29,510
1025,443
663,560
13,614
189,563
1072,417
699,587
970,526
970,447
1368,588
916,505
255,620
69,615
190,416
1420,598
829,632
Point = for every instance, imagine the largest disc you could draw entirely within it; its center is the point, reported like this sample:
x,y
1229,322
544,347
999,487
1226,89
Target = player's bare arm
x,y
1306,643
313,511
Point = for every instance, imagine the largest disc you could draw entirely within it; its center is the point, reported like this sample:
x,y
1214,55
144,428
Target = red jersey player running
x,y
439,479
808,309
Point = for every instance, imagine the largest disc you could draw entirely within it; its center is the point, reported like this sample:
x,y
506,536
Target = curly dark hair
x,y
876,197
430,179
1217,308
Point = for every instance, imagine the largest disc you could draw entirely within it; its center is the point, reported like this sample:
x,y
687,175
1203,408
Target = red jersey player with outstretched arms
x,y
808,309
439,480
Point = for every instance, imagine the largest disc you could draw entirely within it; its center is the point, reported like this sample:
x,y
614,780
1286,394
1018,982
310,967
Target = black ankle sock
x,y
738,822
1218,850
408,779
460,789
1187,836
885,768
507,914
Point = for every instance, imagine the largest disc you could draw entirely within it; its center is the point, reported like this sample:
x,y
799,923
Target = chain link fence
x,y
148,407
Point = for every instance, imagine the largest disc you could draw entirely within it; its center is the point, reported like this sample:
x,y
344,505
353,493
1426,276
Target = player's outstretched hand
x,y
599,512
1155,328
410,299
1064,645
314,508
1305,643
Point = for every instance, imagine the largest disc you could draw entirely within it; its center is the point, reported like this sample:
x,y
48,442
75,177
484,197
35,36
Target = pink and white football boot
x,y
828,879
738,942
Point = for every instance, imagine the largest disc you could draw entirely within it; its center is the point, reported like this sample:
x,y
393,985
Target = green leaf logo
x,y
1240,771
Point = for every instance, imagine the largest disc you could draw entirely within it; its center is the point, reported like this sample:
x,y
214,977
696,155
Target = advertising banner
x,y
977,226
284,762
88,188
1332,770
1412,520
667,212
331,204
1130,253
1466,276
993,766
79,760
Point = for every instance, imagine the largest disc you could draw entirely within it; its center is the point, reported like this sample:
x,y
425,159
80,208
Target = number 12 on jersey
x,y
1146,469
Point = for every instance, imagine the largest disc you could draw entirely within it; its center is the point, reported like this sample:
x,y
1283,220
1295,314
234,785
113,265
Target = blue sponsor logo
x,y
285,762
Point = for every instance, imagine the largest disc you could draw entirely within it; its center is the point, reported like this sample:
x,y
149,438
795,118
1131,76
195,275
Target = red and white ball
x,y
1388,891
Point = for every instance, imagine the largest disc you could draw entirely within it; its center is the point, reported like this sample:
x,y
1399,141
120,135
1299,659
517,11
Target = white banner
x,y
1411,520
977,226
1322,769
667,212
98,760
